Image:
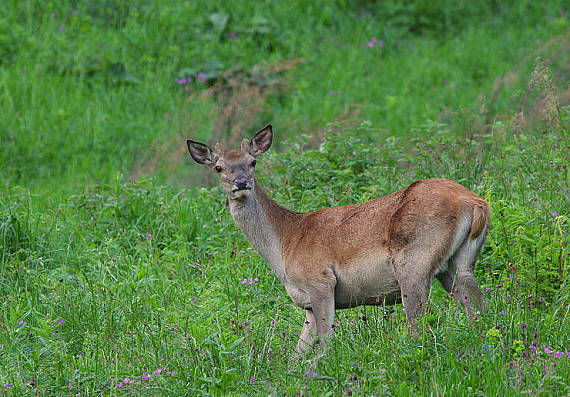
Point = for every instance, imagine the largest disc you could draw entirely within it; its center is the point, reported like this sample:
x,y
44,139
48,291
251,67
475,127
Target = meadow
x,y
121,270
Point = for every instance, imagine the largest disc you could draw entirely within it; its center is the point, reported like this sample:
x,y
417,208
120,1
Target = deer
x,y
382,252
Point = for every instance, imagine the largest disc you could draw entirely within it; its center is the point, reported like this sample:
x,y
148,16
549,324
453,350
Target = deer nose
x,y
241,183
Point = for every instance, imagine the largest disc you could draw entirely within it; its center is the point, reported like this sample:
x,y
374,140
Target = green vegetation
x,y
120,277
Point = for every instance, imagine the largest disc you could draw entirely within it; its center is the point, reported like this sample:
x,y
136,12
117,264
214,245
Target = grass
x,y
89,91
115,283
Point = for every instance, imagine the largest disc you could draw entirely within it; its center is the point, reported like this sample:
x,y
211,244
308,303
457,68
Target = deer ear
x,y
261,141
201,153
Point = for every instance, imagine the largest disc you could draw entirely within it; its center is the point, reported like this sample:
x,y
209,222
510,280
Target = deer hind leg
x,y
414,275
459,280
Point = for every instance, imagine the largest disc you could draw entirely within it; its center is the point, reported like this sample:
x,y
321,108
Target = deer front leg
x,y
323,311
322,302
306,340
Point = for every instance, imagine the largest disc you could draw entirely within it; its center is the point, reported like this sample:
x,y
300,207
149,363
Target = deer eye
x,y
253,163
218,169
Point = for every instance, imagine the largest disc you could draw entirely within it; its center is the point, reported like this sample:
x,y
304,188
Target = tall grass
x,y
87,88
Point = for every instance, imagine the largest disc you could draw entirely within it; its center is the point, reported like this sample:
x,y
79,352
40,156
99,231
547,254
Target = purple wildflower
x,y
61,27
547,350
253,379
148,235
531,347
21,322
270,350
144,377
233,35
487,289
202,77
120,385
157,371
559,354
6,385
186,88
554,214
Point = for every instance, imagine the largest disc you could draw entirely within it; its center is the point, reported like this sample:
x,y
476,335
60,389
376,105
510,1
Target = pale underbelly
x,y
372,283
359,283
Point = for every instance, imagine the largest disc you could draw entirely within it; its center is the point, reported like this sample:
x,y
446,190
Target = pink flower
x,y
253,379
531,347
186,88
157,371
202,77
547,350
61,27
120,385
554,214
559,354
144,377
148,235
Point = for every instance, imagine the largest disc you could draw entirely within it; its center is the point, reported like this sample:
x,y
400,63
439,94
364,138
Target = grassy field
x,y
121,275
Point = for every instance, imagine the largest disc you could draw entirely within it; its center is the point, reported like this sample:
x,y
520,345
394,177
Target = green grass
x,y
104,279
98,97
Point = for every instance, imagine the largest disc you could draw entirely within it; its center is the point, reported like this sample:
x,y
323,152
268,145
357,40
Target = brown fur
x,y
376,252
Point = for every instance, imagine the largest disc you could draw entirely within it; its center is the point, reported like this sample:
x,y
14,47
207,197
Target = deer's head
x,y
235,168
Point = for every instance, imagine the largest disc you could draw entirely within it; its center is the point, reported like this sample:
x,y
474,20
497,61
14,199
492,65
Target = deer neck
x,y
265,224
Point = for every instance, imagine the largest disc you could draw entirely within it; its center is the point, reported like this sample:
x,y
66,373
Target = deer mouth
x,y
241,188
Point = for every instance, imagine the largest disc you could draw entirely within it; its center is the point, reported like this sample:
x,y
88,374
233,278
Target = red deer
x,y
386,250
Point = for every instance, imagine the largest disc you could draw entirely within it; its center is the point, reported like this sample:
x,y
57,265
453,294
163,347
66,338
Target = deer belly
x,y
367,280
